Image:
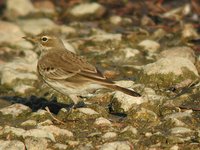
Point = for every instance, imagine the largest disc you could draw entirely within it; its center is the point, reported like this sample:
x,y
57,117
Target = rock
x,y
11,145
39,133
88,111
87,10
102,122
189,32
15,8
180,130
67,30
116,20
129,52
17,132
56,131
130,129
187,113
29,123
150,46
181,51
36,26
33,143
21,69
175,147
15,35
60,146
151,96
122,102
45,123
45,7
118,145
106,37
168,71
109,135
15,110
40,113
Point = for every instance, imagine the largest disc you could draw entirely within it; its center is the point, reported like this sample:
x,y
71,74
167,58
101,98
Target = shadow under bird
x,y
67,72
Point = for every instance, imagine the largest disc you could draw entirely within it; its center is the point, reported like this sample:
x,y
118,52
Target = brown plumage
x,y
67,72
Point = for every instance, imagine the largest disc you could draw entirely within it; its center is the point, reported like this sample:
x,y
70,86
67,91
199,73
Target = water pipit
x,y
68,73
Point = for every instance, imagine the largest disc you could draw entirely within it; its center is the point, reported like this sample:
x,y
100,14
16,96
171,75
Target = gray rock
x,y
11,145
36,26
182,51
118,145
15,110
33,143
93,10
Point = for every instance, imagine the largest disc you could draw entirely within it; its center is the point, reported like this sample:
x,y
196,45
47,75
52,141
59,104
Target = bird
x,y
67,72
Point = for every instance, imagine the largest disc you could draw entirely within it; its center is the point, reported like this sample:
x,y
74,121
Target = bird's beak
x,y
31,39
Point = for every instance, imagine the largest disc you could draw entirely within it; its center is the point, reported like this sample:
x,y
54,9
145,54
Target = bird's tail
x,y
124,90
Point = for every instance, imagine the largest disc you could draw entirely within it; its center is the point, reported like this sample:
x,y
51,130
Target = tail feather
x,y
124,90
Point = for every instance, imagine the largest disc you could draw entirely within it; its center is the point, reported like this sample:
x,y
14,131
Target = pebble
x,y
116,20
15,110
170,65
11,145
36,26
187,113
189,32
130,129
87,111
102,122
93,10
106,37
22,88
109,135
180,130
150,46
29,123
60,146
45,123
56,130
181,51
117,145
130,52
34,143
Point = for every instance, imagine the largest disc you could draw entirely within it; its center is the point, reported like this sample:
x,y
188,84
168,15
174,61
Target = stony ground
x,y
151,47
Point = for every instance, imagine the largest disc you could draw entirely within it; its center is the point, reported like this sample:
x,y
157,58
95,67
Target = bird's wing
x,y
64,64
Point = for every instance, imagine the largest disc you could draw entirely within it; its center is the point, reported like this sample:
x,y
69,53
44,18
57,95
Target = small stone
x,y
29,123
102,122
187,113
189,32
130,129
36,26
67,30
56,131
22,88
122,102
88,111
109,135
11,145
46,7
106,37
85,10
39,133
60,146
18,132
19,7
118,145
33,143
180,130
150,46
181,51
39,113
116,20
175,147
129,52
45,123
15,110
148,134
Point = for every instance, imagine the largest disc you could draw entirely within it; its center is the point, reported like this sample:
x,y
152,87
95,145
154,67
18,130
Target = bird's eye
x,y
44,39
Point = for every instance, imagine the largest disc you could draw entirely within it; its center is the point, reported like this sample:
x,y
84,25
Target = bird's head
x,y
46,41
